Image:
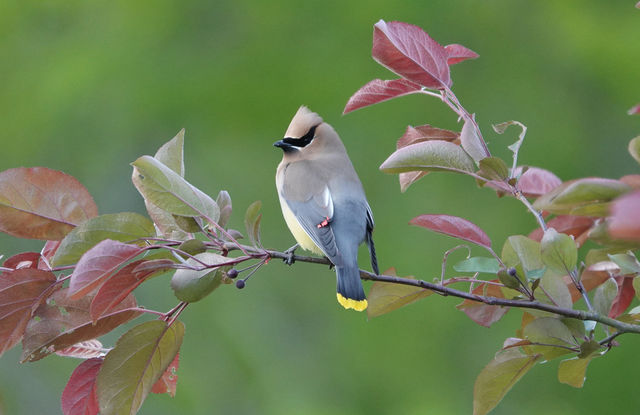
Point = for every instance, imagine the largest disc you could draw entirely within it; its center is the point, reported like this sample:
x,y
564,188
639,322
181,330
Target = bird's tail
x,y
350,292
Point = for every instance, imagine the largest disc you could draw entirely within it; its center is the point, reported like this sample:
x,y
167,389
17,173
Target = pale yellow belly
x,y
302,238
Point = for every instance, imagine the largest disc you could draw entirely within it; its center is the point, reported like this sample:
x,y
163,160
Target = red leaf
x,y
426,132
409,52
21,291
118,287
98,263
80,395
626,293
453,226
576,226
481,313
61,322
169,379
378,91
636,109
624,222
458,53
83,350
40,203
537,182
23,260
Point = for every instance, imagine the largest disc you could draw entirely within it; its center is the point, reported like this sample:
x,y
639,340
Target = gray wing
x,y
315,215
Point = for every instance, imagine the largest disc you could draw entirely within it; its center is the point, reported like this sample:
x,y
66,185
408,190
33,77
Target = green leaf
x,y
604,296
187,224
509,281
123,227
224,203
434,155
193,285
135,364
634,148
494,168
471,142
628,263
169,191
498,377
559,251
193,246
385,297
575,326
252,222
523,254
636,286
573,371
588,348
478,264
549,332
586,197
171,154
553,291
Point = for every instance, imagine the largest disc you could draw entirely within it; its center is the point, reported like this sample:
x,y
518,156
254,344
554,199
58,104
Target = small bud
x,y
240,284
232,273
512,271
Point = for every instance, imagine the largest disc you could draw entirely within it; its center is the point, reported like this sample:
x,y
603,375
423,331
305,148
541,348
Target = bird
x,y
323,201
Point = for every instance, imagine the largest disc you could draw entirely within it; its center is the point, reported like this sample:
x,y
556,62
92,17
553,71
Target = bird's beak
x,y
284,146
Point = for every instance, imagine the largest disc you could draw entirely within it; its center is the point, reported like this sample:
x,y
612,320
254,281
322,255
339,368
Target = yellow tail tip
x,y
358,305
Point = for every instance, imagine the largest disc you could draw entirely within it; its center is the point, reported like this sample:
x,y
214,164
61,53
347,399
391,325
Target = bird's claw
x,y
290,259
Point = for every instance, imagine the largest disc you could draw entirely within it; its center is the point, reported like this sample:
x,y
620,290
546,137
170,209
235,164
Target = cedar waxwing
x,y
323,201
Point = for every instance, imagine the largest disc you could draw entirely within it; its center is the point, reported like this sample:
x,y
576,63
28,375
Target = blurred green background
x,y
87,87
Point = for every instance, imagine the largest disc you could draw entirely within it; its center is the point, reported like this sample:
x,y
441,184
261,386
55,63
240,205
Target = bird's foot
x,y
290,259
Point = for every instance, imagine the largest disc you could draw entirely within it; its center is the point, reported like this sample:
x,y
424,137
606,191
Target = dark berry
x,y
232,273
511,271
240,284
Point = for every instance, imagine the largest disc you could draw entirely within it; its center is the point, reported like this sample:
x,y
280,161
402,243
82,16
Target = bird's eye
x,y
304,140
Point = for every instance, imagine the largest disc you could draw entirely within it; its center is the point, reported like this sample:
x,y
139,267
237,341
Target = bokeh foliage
x,y
89,86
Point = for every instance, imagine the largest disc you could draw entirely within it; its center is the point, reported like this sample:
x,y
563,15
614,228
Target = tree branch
x,y
448,291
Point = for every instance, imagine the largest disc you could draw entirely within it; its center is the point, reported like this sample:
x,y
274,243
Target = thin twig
x,y
518,194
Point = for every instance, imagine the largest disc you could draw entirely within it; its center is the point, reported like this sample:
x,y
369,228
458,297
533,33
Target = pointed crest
x,y
302,122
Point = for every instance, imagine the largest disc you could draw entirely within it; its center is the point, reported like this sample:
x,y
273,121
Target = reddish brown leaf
x,y
426,132
378,91
61,322
21,291
84,350
458,53
40,203
169,379
626,293
408,51
536,182
98,263
481,313
48,251
453,226
636,109
624,222
80,395
22,260
590,278
576,226
118,287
